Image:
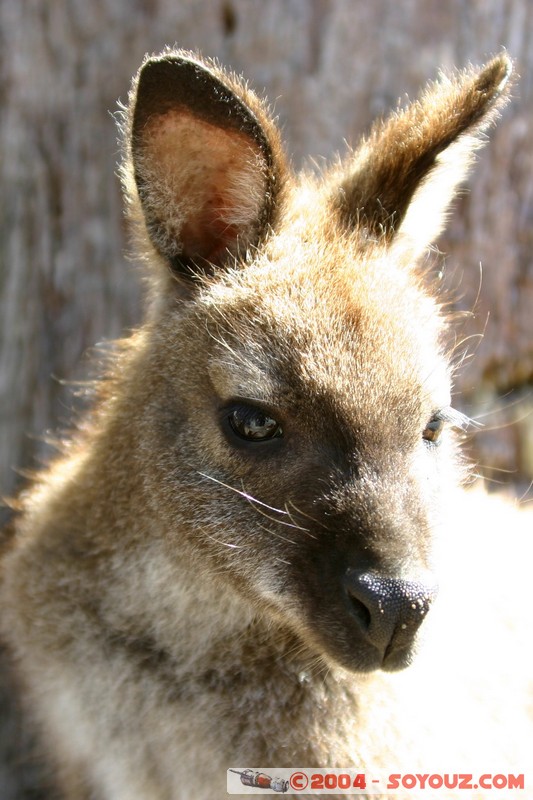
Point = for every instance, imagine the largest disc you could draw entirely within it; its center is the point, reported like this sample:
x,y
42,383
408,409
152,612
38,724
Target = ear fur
x,y
401,179
204,162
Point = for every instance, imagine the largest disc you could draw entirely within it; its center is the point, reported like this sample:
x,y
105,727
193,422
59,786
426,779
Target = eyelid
x,y
268,408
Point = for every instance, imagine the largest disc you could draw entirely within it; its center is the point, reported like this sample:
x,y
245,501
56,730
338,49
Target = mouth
x,y
364,636
397,659
359,656
359,619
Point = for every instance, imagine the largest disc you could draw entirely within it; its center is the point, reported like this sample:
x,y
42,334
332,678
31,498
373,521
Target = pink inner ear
x,y
205,185
207,234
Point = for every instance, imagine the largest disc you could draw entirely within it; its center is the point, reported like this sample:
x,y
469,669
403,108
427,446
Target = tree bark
x,y
330,66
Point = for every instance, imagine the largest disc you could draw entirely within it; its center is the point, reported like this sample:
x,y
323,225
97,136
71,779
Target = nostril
x,y
389,610
360,612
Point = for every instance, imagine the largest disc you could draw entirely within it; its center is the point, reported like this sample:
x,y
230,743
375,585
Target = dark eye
x,y
433,429
252,424
446,416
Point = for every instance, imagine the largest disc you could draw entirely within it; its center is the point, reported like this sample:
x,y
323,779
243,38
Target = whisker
x,y
466,355
503,425
295,524
219,541
244,494
308,516
480,284
258,505
277,535
253,501
497,469
465,340
521,499
487,479
501,409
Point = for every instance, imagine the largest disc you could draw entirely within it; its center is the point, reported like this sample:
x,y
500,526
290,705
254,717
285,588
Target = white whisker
x,y
277,535
309,517
258,506
224,544
244,494
522,499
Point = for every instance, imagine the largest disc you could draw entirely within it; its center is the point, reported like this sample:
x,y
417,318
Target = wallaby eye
x,y
433,429
252,424
439,420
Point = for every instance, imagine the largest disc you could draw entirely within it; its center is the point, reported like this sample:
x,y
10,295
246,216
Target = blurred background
x,y
329,67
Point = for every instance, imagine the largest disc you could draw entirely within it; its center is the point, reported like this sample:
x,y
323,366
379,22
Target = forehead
x,y
316,324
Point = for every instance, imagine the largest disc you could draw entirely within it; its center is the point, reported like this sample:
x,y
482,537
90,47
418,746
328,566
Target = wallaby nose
x,y
389,610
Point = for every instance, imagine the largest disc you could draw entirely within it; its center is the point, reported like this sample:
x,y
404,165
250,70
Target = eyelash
x,y
445,416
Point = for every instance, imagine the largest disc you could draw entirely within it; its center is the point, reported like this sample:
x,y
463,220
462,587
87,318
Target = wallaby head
x,y
290,406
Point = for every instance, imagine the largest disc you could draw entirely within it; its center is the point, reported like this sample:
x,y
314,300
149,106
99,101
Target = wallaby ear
x,y
402,178
206,162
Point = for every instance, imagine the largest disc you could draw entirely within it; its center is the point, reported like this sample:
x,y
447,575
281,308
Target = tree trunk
x,y
331,66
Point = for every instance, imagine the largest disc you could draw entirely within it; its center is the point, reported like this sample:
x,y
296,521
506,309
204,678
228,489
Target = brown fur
x,y
176,596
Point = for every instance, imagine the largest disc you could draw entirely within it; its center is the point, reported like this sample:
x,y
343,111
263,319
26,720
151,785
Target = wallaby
x,y
232,560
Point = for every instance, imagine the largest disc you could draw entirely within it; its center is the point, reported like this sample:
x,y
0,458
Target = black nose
x,y
388,610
